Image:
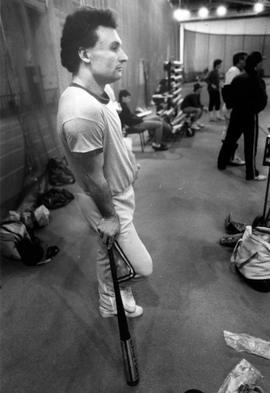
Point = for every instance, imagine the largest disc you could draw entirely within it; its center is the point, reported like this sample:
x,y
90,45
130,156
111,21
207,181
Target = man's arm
x,y
90,165
95,184
261,95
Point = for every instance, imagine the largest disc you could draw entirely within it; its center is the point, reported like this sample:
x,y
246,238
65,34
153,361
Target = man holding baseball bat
x,y
90,131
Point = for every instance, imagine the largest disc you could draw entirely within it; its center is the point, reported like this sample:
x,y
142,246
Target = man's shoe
x,y
128,299
176,128
258,178
237,161
195,127
200,125
160,147
230,240
107,304
108,314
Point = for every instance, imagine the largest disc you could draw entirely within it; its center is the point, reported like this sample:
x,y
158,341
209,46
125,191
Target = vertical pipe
x,y
181,42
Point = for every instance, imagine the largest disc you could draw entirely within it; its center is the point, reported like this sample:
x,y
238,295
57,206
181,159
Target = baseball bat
x,y
127,346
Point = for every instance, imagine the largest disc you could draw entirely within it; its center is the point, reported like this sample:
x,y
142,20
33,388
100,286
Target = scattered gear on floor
x,y
233,227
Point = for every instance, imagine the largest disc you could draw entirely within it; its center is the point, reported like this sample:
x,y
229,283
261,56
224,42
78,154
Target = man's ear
x,y
84,55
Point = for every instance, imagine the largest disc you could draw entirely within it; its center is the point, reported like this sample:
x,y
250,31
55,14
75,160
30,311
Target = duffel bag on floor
x,y
251,255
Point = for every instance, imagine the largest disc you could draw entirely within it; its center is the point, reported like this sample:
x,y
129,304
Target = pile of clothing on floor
x,y
18,239
57,175
234,232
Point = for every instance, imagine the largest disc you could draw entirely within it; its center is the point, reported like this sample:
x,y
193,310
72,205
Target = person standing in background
x,y
213,87
239,61
248,98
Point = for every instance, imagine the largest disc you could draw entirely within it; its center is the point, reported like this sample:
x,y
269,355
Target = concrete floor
x,y
53,339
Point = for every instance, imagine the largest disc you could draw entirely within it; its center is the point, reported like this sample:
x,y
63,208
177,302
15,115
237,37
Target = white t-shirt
x,y
104,133
231,74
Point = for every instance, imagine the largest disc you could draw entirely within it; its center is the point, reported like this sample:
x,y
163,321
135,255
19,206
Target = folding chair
x,y
130,130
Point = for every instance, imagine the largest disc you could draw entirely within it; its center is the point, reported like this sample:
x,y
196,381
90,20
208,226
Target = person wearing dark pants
x,y
214,100
248,99
239,61
241,123
213,87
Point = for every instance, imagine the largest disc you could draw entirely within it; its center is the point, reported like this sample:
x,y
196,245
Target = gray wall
x,y
205,41
201,49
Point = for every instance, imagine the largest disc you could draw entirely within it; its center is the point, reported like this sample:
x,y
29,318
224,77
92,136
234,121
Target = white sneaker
x,y
128,299
107,304
108,314
260,178
237,161
176,128
200,125
195,127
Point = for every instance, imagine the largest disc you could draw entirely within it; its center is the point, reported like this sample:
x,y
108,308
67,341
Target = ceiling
x,y
233,6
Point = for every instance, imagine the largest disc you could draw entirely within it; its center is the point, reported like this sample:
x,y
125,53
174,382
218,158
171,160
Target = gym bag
x,y
251,254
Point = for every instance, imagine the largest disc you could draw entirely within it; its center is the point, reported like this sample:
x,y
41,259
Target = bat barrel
x,y
130,362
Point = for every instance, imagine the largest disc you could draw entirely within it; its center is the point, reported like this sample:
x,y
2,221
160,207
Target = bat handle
x,y
122,321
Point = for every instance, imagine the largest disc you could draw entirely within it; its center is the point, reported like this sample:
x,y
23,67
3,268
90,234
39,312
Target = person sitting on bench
x,y
192,106
152,123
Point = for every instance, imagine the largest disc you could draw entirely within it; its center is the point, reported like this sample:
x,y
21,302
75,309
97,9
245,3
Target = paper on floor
x,y
244,342
242,374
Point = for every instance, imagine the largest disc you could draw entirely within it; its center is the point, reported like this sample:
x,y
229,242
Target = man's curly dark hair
x,y
80,31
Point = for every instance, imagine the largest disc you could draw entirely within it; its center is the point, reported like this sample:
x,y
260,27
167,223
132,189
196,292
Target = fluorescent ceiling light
x,y
203,12
221,10
181,14
258,7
